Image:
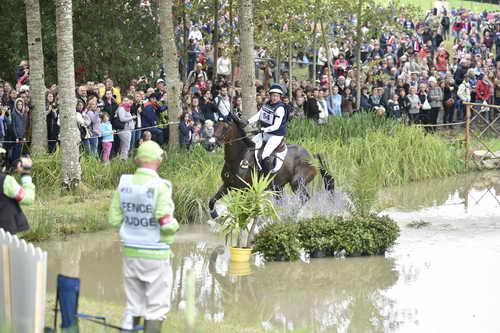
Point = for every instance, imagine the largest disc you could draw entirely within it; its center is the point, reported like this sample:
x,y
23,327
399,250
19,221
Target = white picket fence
x,y
23,282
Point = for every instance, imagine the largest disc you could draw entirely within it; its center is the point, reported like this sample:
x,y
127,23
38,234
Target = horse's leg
x,y
211,204
278,189
299,188
301,179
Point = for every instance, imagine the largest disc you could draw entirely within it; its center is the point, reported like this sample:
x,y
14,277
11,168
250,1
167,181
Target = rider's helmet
x,y
276,88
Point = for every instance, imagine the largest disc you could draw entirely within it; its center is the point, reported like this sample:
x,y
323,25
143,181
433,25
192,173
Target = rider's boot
x,y
267,166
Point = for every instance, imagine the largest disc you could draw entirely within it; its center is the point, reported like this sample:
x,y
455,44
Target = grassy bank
x,y
175,322
399,154
475,6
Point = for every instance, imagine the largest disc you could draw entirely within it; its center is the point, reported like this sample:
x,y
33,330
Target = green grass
x,y
175,322
470,5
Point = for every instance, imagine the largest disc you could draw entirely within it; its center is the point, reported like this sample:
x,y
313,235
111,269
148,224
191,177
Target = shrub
x,y
367,235
278,241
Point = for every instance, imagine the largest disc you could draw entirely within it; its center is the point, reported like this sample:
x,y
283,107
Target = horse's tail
x,y
328,180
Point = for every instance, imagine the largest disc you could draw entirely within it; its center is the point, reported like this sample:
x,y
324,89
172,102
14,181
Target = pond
x,y
442,276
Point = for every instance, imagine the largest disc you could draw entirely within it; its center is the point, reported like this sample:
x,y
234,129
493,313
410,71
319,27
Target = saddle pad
x,y
279,158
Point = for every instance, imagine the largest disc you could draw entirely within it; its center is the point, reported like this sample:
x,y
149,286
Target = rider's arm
x,y
24,193
279,114
255,118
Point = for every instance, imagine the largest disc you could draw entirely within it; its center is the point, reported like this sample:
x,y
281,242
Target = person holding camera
x,y
12,195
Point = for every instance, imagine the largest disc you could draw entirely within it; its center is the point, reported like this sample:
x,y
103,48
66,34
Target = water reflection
x,y
328,294
476,194
439,278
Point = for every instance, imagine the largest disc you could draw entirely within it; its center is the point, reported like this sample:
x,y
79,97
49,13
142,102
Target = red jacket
x,y
483,90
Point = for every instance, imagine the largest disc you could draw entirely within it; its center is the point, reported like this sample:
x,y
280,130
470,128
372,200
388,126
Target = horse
x,y
239,161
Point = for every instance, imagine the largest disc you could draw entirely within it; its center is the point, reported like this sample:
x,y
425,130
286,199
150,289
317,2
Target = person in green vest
x,y
143,208
13,194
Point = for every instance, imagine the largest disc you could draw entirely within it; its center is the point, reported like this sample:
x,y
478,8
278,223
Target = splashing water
x,y
321,203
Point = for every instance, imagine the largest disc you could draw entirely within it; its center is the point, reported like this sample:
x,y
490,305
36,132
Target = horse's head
x,y
231,130
223,132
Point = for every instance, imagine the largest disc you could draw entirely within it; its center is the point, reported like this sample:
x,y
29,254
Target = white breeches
x,y
271,143
148,283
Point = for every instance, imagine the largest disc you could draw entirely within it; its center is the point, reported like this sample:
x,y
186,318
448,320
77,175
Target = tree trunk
x,y
215,38
359,39
231,41
315,53
170,61
37,80
70,136
328,56
185,38
249,104
290,64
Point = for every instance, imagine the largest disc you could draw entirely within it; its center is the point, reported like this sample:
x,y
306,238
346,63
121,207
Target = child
x,y
146,136
196,138
107,136
207,133
208,129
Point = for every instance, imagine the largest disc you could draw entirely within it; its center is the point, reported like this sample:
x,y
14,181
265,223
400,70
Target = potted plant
x,y
246,207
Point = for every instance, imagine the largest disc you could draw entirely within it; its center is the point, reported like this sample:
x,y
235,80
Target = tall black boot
x,y
152,326
267,166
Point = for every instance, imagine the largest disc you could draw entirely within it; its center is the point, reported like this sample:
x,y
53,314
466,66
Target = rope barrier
x,y
440,125
100,136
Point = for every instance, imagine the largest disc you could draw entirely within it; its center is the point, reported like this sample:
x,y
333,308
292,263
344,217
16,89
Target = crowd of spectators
x,y
420,72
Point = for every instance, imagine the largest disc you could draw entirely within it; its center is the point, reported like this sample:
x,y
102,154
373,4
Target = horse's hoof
x,y
213,214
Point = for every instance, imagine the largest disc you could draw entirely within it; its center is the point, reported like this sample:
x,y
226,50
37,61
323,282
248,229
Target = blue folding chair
x,y
68,293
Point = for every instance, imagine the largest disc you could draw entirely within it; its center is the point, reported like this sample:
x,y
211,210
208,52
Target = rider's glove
x,y
255,132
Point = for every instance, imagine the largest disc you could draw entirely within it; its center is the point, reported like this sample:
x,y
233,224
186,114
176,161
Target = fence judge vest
x,y
140,228
12,218
268,117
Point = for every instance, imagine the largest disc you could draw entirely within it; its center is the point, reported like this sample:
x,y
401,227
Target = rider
x,y
272,118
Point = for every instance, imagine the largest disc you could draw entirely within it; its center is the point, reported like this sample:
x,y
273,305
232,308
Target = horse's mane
x,y
241,131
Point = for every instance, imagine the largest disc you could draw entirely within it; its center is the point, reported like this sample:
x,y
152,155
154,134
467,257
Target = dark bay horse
x,y
239,161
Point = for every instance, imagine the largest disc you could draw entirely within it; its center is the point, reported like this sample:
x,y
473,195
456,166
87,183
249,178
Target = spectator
x,y
185,131
149,118
127,119
115,92
19,122
435,99
223,104
53,124
311,108
107,137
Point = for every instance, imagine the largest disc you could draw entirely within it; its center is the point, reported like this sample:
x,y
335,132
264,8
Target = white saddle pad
x,y
280,158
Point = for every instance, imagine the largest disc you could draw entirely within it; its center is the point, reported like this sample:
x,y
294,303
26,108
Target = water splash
x,y
321,203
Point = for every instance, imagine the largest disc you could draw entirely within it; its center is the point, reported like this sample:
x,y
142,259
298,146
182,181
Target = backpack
x,y
117,123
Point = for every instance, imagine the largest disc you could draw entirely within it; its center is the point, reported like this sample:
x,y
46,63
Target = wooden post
x,y
467,134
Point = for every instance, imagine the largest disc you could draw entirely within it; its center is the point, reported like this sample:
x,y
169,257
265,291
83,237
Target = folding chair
x,y
68,293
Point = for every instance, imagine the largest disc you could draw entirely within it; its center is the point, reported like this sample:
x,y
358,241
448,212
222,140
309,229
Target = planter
x,y
318,253
239,268
240,254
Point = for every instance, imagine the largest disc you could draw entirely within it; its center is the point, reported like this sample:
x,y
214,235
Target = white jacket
x,y
464,92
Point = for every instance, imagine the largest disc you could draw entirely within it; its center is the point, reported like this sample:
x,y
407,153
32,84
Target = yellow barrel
x,y
240,255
